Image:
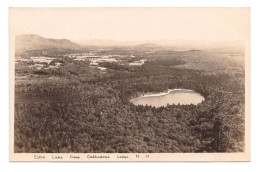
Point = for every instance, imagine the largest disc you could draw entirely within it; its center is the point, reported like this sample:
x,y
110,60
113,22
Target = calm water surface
x,y
176,96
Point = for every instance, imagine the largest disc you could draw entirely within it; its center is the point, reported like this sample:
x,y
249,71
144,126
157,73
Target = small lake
x,y
175,96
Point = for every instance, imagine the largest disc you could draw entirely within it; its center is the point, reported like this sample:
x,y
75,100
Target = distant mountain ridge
x,y
172,44
148,45
29,42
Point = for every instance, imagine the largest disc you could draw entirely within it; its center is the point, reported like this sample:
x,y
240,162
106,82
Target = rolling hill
x,y
30,42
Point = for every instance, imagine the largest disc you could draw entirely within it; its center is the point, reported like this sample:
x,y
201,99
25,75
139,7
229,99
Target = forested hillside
x,y
79,108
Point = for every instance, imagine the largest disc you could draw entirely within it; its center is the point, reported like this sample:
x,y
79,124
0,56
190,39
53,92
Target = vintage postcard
x,y
129,84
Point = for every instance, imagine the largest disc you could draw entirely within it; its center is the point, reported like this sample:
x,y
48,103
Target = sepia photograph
x,y
129,84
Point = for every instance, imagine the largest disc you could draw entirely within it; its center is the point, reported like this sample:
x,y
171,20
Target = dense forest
x,y
81,109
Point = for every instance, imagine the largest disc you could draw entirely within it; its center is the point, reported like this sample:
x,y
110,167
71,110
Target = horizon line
x,y
100,39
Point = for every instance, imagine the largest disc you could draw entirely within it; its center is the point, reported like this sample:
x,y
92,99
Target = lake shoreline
x,y
160,93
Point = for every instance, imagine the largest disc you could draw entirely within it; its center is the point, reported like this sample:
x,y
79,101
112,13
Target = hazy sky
x,y
133,24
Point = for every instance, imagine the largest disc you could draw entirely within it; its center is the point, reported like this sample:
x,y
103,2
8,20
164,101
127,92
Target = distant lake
x,y
175,96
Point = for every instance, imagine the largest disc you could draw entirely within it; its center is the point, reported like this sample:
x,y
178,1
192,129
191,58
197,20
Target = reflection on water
x,y
176,96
